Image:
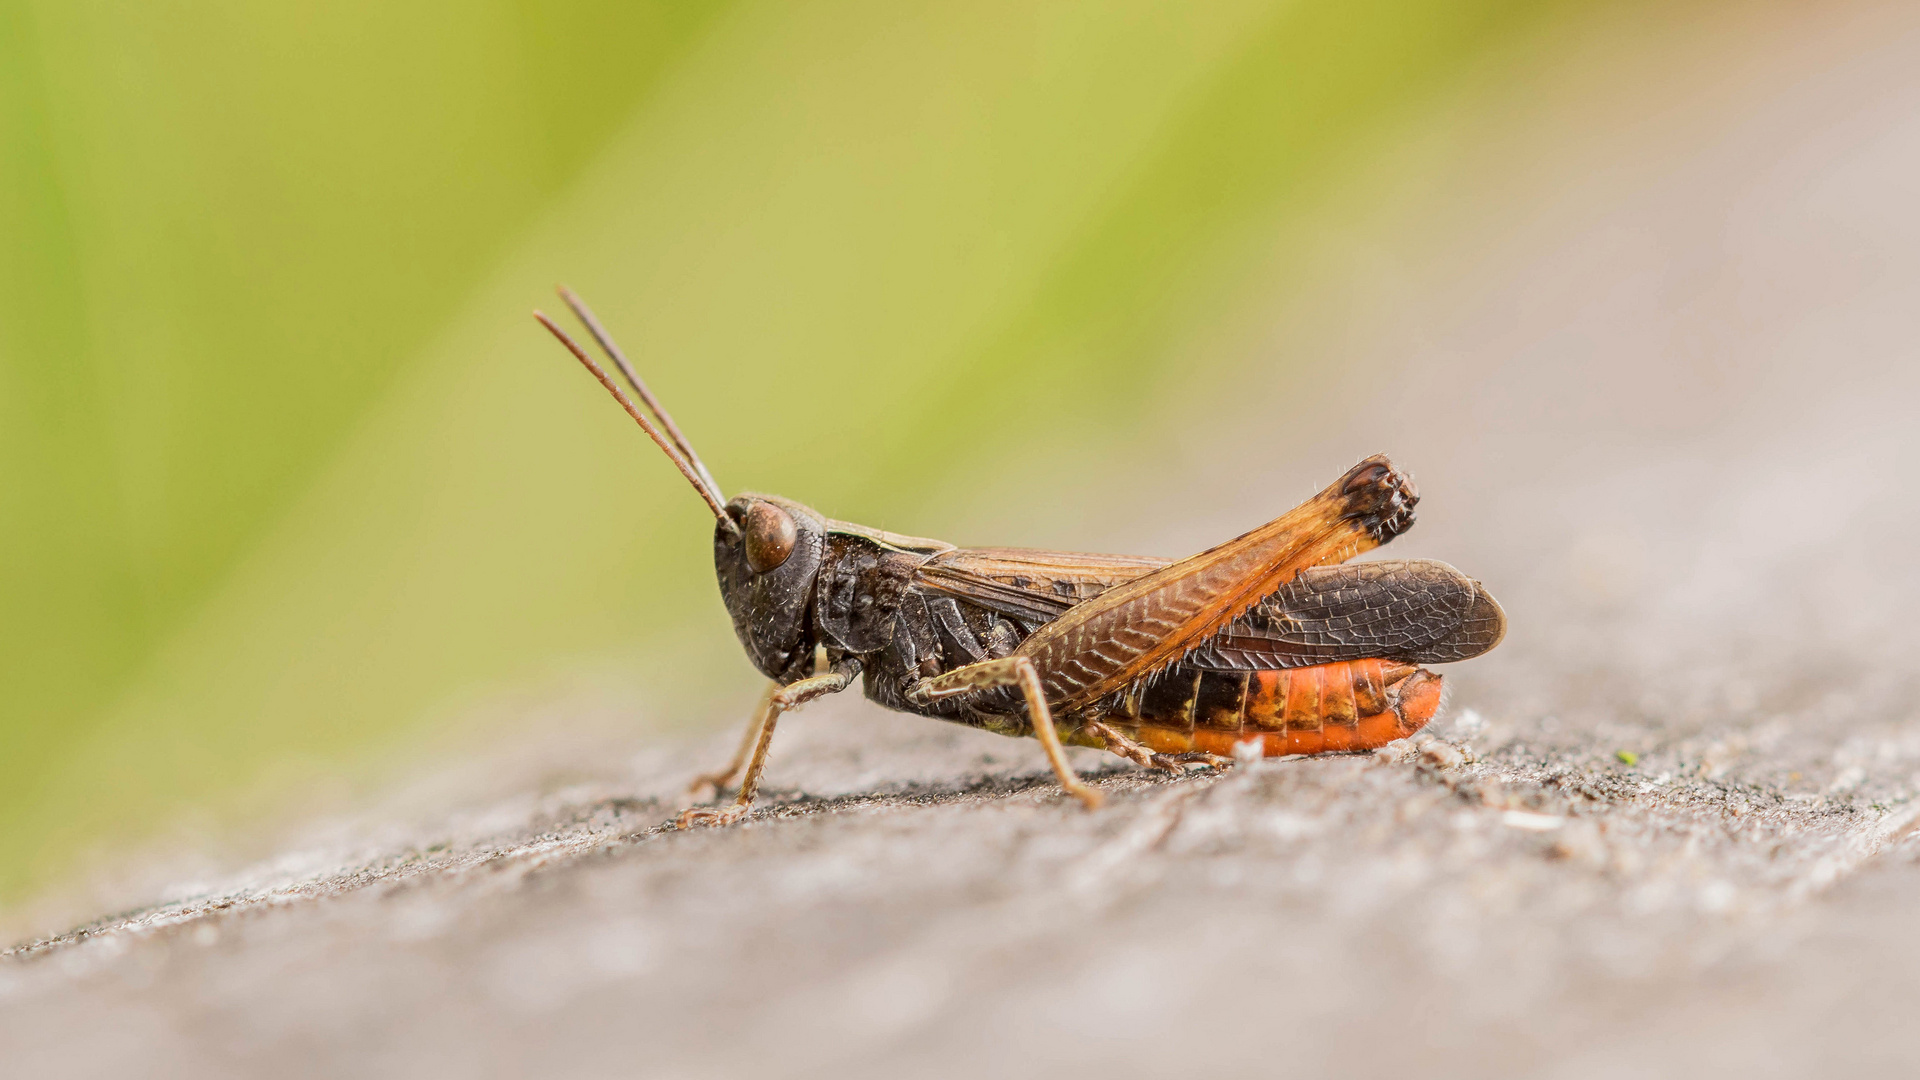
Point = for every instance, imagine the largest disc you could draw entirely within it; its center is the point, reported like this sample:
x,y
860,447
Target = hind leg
x,y
1147,759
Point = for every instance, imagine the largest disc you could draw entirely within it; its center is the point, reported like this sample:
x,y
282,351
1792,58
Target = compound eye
x,y
770,537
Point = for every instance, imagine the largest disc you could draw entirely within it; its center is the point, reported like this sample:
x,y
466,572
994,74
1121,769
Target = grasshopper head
x,y
767,553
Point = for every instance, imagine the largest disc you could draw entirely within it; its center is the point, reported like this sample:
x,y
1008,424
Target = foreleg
x,y
708,785
779,701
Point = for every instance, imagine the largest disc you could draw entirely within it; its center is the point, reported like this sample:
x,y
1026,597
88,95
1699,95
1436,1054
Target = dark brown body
x,y
1327,663
1264,642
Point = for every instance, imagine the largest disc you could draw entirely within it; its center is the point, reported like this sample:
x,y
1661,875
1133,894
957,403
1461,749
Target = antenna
x,y
585,314
700,484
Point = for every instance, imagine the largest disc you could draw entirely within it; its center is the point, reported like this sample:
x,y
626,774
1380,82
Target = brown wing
x,y
1418,611
1028,584
1412,610
1147,613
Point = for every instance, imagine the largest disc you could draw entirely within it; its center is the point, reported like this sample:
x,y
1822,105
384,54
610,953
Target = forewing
x,y
1413,610
1028,584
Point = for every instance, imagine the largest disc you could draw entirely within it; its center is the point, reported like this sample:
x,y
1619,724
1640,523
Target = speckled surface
x,y
1478,902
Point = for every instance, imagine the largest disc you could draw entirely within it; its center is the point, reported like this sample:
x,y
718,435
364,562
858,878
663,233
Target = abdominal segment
x,y
1349,705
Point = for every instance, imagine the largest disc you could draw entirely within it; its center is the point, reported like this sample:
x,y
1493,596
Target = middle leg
x,y
1012,671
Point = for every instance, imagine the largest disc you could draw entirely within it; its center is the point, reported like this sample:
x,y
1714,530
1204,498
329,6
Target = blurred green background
x,y
287,474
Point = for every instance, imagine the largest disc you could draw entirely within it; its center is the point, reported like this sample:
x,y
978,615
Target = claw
x,y
706,815
1179,762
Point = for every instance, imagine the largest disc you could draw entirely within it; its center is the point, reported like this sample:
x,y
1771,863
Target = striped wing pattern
x,y
1116,620
1416,610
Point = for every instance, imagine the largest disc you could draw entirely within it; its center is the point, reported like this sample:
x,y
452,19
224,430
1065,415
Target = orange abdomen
x,y
1350,705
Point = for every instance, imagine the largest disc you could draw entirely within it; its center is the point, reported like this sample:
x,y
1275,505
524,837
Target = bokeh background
x,y
293,491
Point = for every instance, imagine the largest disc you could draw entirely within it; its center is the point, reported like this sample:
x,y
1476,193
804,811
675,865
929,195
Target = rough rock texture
x,y
1487,901
1668,828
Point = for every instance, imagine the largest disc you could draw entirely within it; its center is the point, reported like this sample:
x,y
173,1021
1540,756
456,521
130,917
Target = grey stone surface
x,y
921,899
1667,829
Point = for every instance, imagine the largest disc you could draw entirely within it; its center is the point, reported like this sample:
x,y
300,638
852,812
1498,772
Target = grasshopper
x,y
1264,644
